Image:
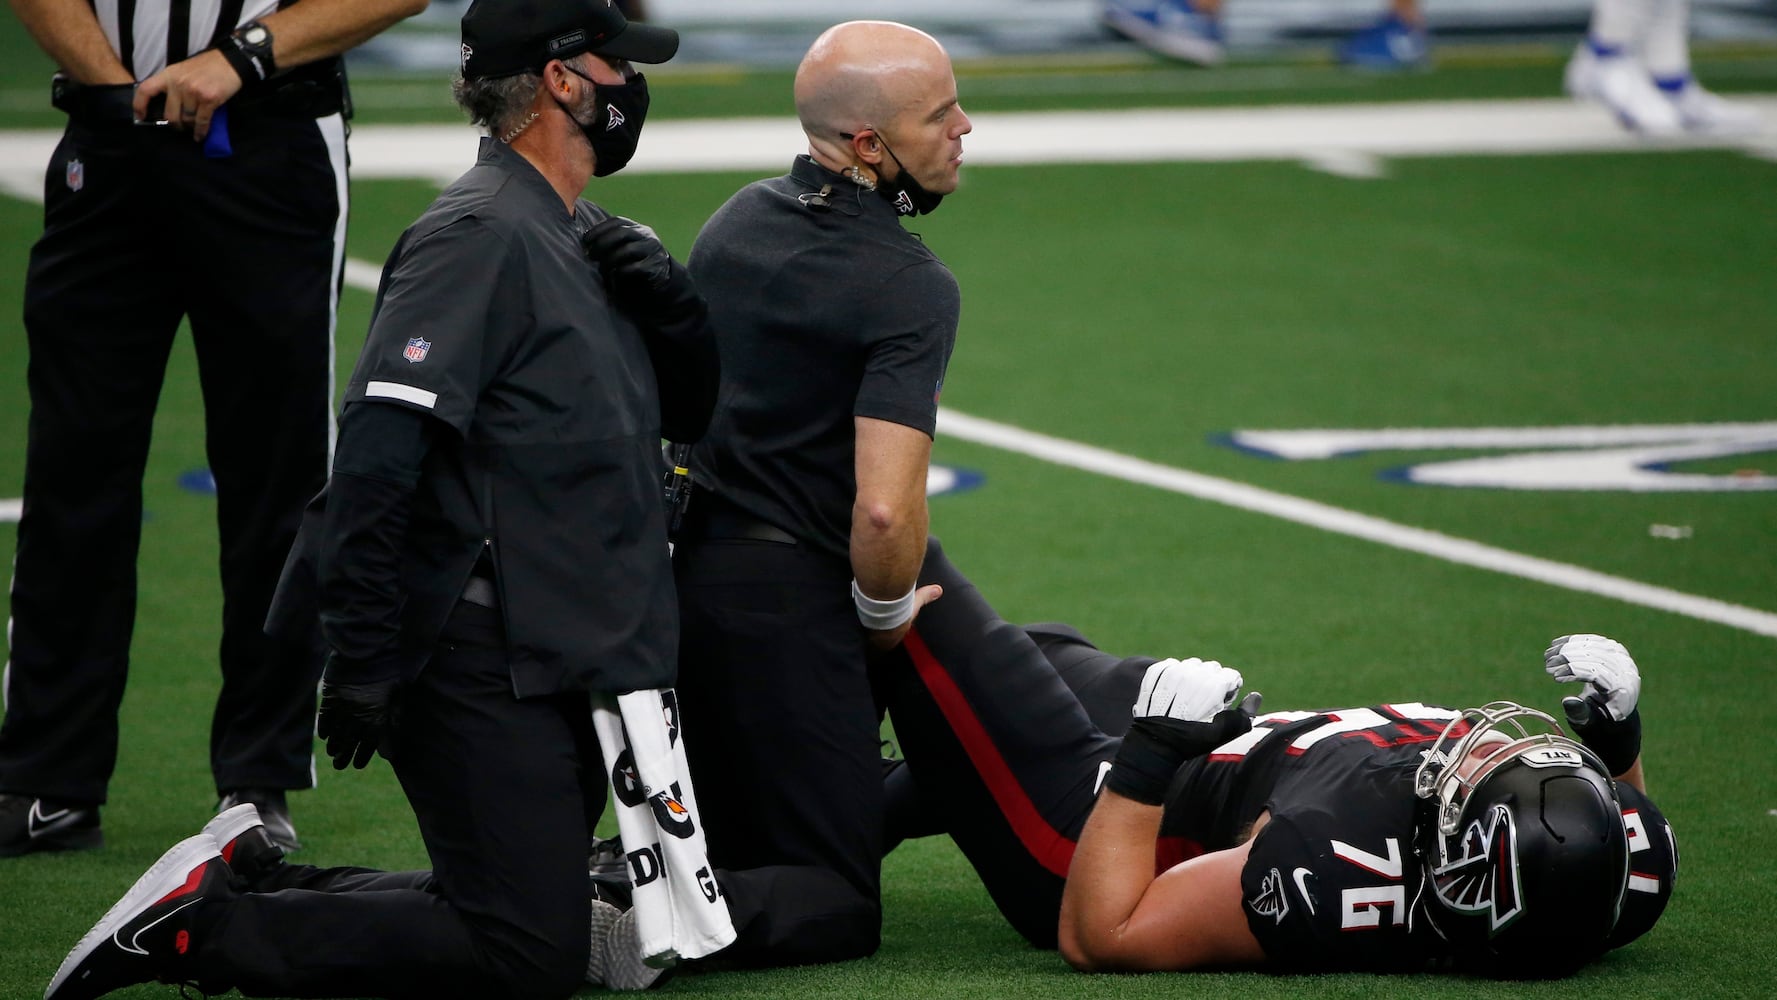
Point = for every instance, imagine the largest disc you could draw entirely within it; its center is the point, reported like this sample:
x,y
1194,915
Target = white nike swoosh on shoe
x,y
1301,876
135,945
161,880
38,819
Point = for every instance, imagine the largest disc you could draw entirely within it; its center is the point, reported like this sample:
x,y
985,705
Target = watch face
x,y
256,35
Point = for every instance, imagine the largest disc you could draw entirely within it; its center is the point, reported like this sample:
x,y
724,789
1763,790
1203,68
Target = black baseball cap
x,y
507,37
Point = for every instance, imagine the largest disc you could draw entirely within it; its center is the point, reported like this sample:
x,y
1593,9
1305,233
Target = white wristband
x,y
880,616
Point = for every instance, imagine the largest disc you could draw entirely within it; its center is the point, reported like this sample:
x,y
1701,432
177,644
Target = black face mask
x,y
617,127
905,192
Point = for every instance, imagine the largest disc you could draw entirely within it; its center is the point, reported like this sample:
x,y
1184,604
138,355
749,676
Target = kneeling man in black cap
x,y
490,551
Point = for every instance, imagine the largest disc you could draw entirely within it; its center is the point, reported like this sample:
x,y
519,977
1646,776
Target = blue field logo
x,y
942,479
1637,458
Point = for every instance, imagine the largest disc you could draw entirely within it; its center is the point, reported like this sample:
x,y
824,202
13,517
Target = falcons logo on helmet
x,y
1484,877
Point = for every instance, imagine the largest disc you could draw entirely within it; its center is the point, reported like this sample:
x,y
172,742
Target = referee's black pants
x,y
140,231
781,732
1005,732
505,791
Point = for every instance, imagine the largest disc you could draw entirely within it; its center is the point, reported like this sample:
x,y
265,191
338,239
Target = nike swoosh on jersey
x,y
1301,877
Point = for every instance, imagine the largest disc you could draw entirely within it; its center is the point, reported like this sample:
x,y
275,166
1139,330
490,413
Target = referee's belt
x,y
711,518
313,90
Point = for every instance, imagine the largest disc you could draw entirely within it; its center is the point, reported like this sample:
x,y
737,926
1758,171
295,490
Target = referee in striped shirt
x,y
202,177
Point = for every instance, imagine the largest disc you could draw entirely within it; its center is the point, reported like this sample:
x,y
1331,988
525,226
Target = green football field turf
x,y
1147,310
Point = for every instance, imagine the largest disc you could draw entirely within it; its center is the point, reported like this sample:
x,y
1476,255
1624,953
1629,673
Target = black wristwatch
x,y
248,50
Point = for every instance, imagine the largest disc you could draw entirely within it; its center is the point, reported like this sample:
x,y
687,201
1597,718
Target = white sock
x,y
1666,43
1615,25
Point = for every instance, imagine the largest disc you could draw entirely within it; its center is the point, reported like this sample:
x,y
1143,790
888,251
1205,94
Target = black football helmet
x,y
1522,841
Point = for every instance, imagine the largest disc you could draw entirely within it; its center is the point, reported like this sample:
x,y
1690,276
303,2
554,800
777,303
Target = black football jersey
x,y
1331,882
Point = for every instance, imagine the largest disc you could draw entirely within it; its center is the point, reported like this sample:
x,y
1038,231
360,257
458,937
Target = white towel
x,y
679,910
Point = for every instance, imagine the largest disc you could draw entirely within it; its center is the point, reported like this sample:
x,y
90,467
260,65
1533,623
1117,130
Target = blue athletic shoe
x,y
1388,45
1172,28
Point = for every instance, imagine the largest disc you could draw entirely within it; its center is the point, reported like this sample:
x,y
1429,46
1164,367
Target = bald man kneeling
x,y
805,532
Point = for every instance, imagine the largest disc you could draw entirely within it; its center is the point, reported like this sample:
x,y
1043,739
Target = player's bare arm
x,y
1115,916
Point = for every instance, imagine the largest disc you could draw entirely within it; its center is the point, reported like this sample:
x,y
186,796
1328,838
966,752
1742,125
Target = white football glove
x,y
1190,690
1603,664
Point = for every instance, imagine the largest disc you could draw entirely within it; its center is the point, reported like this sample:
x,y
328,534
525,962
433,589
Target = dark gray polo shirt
x,y
821,315
490,319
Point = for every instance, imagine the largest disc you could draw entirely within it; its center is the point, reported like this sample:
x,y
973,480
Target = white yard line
x,y
1341,133
1356,139
1297,445
1344,522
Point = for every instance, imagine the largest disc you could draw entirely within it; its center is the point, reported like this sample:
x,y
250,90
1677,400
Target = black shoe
x,y
28,823
152,933
613,889
273,812
605,856
245,843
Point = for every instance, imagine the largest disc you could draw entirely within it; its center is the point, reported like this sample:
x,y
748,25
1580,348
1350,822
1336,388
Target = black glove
x,y
1617,743
355,717
1156,746
643,278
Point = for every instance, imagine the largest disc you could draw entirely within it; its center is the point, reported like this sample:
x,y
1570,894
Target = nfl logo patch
x,y
76,175
416,349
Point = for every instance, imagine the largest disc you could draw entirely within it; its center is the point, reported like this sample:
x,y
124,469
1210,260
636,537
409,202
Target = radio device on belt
x,y
676,485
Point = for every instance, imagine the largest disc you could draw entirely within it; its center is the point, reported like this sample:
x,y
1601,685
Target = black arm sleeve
x,y
376,470
687,369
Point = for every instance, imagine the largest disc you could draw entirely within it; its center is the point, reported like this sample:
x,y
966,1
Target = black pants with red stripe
x,y
1005,731
142,230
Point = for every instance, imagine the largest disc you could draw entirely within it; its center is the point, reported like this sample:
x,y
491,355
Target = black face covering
x,y
905,192
617,127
